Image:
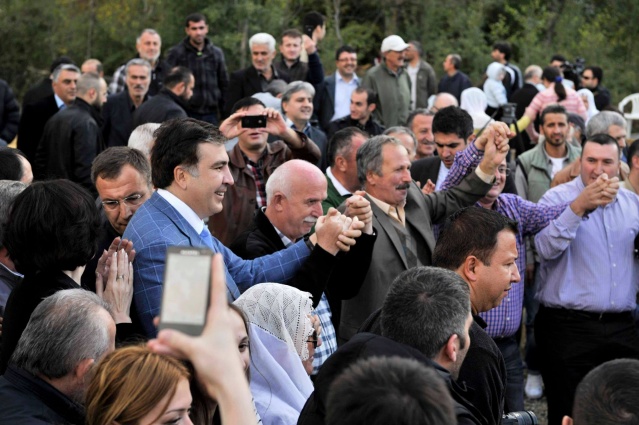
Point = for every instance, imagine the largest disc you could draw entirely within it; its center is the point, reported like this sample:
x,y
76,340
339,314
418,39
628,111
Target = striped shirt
x,y
572,103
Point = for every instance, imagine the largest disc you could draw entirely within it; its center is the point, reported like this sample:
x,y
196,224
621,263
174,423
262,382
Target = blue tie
x,y
207,238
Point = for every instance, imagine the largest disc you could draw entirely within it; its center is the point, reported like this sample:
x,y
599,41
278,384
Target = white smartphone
x,y
185,296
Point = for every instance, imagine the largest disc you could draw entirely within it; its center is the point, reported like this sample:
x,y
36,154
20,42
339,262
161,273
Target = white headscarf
x,y
592,108
279,324
473,101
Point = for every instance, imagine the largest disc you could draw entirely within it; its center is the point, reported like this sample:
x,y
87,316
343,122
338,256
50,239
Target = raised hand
x,y
360,207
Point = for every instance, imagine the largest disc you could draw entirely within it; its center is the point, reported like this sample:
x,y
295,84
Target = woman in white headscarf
x,y
473,101
494,89
589,102
283,341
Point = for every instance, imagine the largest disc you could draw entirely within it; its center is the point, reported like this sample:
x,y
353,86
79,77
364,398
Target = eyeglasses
x,y
504,171
129,200
313,339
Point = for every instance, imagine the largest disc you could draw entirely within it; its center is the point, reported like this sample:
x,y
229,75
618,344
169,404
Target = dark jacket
x,y
522,98
319,138
372,127
27,296
118,119
246,82
209,70
23,300
28,400
324,102
455,84
426,168
70,142
313,71
9,113
240,199
34,118
340,275
364,346
602,97
162,107
38,91
157,77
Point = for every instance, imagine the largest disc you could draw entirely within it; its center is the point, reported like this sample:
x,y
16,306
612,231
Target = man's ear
x,y
82,369
181,177
276,201
372,107
340,163
451,349
469,267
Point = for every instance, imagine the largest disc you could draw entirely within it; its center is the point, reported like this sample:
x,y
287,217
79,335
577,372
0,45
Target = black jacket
x,y
425,168
364,346
246,82
28,400
162,107
118,119
372,127
70,142
34,118
9,113
339,276
27,296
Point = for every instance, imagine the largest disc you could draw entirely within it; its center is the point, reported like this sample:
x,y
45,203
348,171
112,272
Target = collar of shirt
x,y
303,130
274,74
58,101
387,208
285,240
185,211
338,186
354,80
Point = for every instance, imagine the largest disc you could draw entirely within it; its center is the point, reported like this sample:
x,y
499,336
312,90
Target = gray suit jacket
x,y
389,259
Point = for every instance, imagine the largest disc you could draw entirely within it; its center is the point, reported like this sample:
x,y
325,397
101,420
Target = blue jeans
x,y
514,374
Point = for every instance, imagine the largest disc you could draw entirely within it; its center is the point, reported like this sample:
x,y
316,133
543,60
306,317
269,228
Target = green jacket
x,y
393,94
334,199
533,171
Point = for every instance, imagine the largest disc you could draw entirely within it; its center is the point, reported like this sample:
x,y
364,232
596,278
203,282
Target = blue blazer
x,y
156,225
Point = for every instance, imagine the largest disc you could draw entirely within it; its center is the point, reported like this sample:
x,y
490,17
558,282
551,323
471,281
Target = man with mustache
x,y
251,162
403,216
504,320
294,193
118,112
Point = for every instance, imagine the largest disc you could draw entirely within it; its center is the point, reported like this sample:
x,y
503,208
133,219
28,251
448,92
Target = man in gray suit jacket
x,y
403,216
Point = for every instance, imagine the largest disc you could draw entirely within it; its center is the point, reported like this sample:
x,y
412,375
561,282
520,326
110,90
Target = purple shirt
x,y
588,263
504,320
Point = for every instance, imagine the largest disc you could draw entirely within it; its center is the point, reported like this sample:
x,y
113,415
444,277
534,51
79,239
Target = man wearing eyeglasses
x,y
122,176
334,94
503,321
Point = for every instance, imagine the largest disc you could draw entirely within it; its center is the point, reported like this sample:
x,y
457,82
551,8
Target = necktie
x,y
207,238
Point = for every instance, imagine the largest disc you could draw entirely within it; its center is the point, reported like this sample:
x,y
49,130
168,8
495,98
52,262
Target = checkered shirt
x,y
258,176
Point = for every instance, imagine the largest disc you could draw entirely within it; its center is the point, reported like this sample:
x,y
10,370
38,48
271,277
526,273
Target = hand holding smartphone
x,y
185,297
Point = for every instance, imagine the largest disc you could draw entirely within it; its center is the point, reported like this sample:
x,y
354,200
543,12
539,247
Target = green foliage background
x,y
34,32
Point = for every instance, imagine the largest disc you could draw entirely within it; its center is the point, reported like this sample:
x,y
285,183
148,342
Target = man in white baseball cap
x,y
391,83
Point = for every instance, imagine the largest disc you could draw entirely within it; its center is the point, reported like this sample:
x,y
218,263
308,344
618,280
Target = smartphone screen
x,y
186,289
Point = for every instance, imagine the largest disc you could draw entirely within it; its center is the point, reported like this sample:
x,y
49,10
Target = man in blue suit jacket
x,y
190,169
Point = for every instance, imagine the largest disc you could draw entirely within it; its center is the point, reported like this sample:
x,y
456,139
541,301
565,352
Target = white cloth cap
x,y
394,43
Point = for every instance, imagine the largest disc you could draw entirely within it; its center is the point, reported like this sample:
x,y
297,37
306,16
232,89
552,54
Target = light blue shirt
x,y
58,101
185,211
588,263
343,91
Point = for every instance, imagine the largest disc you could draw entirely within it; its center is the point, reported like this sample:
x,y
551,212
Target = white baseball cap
x,y
394,43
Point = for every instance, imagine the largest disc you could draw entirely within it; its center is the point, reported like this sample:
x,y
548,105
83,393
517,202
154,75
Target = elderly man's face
x,y
66,85
391,185
303,205
149,47
299,107
262,57
138,78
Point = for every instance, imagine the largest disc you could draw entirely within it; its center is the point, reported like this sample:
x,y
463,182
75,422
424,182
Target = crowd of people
x,y
381,243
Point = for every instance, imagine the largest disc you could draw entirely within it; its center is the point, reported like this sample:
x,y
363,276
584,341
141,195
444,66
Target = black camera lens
x,y
520,418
